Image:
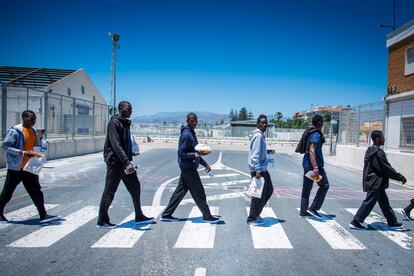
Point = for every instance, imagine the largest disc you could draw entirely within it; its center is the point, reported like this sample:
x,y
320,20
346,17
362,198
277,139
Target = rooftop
x,y
31,77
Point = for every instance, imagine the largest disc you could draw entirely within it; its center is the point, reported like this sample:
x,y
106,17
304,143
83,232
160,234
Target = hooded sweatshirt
x,y
186,153
118,144
258,152
377,170
13,144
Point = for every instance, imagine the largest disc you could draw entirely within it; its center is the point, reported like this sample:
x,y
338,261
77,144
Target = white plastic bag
x,y
35,164
256,187
135,147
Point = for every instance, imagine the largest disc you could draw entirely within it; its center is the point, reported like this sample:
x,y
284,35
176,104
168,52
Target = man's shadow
x,y
270,221
131,224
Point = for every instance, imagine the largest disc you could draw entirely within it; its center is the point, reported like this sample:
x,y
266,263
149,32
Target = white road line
x,y
336,235
219,175
377,222
24,214
50,234
228,183
271,234
196,233
212,198
200,271
156,202
126,235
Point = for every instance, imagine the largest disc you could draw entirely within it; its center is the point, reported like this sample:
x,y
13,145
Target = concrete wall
x,y
68,148
354,157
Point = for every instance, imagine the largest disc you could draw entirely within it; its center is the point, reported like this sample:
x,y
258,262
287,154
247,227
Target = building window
x,y
407,131
83,89
409,61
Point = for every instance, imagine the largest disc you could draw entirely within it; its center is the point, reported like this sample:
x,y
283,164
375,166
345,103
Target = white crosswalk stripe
x,y
271,234
48,235
219,175
377,222
335,235
24,214
195,233
126,235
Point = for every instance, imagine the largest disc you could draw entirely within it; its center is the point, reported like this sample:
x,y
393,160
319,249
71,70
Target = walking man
x,y
118,156
375,179
258,162
189,160
18,144
313,161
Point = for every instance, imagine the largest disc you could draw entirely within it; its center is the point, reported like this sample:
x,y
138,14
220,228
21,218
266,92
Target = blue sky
x,y
212,55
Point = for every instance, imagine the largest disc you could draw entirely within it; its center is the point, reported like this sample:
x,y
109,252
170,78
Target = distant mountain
x,y
177,117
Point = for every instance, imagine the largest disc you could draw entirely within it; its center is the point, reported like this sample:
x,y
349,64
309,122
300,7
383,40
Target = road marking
x,y
127,234
196,233
335,235
377,222
24,214
200,271
212,198
271,234
156,202
219,175
50,234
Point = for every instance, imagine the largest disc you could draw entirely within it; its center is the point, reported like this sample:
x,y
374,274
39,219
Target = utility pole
x,y
115,45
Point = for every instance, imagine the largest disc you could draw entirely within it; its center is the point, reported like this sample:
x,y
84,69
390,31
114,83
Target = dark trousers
x,y
189,181
410,206
369,202
31,184
320,194
114,175
257,204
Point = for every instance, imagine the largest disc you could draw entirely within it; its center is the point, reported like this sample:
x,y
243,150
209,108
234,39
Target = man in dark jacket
x,y
375,179
189,160
313,161
118,157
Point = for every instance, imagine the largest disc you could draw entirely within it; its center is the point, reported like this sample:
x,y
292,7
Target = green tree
x,y
243,115
250,116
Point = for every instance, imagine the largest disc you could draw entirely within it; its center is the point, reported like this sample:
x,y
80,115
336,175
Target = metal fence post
x,y
93,117
357,125
3,111
46,112
73,117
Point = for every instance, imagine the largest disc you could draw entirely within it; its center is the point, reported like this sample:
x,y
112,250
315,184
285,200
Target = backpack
x,y
303,145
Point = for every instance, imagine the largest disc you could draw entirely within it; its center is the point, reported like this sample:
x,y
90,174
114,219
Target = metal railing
x,y
62,116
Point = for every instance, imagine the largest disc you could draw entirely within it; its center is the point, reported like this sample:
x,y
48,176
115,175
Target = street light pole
x,y
115,45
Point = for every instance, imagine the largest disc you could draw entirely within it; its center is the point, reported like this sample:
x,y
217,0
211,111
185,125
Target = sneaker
x,y
395,226
315,214
49,218
105,225
3,219
144,220
406,215
257,221
356,225
169,219
304,214
212,220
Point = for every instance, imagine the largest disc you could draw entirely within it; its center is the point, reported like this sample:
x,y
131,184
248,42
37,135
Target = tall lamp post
x,y
393,27
115,45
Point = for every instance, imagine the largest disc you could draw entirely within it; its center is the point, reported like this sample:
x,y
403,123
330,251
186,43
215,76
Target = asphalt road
x,y
286,245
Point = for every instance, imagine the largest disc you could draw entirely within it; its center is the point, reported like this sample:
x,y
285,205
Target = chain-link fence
x,y
62,116
356,123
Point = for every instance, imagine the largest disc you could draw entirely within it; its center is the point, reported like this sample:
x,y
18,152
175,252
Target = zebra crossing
x,y
196,234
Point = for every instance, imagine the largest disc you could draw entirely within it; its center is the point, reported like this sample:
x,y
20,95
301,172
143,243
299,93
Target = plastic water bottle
x,y
211,173
43,146
271,161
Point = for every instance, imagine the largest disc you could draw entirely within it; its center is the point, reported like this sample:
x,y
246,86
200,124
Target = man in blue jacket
x,y
258,163
18,144
188,161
